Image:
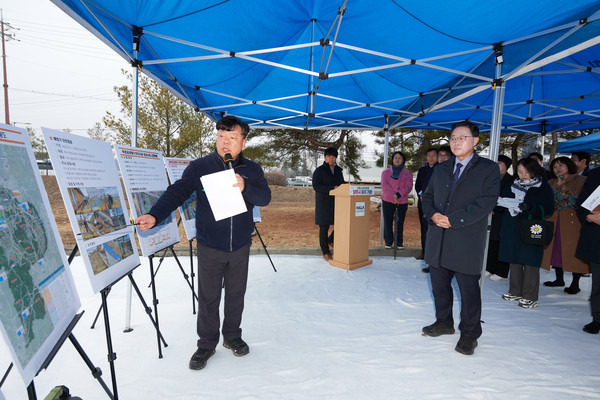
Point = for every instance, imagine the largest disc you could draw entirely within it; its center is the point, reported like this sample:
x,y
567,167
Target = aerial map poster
x,y
89,183
38,299
175,167
145,180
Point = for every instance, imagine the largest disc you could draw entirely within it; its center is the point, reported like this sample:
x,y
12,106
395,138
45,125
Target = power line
x,y
62,94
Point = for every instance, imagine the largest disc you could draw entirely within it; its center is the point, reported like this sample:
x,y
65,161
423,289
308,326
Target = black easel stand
x,y
192,275
264,247
148,310
185,276
96,372
159,336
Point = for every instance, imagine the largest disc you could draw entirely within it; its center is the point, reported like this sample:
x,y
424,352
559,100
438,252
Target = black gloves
x,y
525,207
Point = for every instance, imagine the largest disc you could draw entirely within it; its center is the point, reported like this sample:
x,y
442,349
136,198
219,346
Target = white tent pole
x,y
134,143
494,148
386,147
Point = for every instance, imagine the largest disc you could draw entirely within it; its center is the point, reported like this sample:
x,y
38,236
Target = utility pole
x,y
5,37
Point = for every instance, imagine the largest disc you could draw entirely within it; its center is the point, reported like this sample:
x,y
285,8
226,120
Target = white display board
x,y
91,190
38,299
145,180
175,167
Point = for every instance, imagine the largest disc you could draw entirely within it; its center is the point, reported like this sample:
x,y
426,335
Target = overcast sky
x,y
59,75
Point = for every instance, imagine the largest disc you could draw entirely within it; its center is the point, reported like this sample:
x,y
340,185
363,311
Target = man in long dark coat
x,y
326,178
588,248
461,194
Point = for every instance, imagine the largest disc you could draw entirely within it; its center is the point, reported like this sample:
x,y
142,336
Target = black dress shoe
x,y
466,345
237,346
420,257
200,357
438,328
554,283
593,328
426,270
572,290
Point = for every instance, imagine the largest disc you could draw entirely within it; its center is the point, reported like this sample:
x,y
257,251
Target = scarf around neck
x,y
396,171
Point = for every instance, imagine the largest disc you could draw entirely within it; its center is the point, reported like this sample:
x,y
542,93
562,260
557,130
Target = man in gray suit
x,y
461,194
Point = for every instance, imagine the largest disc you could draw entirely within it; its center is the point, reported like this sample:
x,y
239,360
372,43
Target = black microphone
x,y
228,159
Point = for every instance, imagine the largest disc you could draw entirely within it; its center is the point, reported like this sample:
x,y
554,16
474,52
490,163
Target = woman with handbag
x,y
560,254
529,197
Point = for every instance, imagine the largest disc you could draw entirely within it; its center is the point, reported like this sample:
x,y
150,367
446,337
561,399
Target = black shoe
x,y
421,256
438,328
572,290
593,328
237,346
554,283
466,345
200,357
426,270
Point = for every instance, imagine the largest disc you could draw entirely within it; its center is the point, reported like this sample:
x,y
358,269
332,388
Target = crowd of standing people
x,y
457,191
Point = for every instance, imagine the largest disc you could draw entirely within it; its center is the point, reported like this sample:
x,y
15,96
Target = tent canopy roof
x,y
361,64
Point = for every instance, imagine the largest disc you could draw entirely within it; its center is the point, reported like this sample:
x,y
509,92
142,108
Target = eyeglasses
x,y
459,139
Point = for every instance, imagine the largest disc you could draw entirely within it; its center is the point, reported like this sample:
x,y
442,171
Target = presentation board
x,y
91,190
38,299
175,167
145,180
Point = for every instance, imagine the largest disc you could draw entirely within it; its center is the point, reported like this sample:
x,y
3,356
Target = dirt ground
x,y
288,221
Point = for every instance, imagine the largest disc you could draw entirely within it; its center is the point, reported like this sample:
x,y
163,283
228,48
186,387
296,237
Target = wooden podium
x,y
351,226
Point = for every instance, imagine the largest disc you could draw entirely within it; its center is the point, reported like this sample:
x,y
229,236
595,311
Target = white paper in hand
x,y
225,200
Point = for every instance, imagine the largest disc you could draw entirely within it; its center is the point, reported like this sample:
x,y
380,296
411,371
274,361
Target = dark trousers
x,y
470,299
218,269
524,281
325,238
389,209
595,295
424,223
493,265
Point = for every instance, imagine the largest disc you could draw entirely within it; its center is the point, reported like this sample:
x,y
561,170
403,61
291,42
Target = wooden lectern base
x,y
350,266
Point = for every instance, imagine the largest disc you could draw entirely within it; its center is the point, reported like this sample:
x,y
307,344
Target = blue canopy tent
x,y
589,143
313,64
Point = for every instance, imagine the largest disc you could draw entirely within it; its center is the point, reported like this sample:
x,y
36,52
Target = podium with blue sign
x,y
351,237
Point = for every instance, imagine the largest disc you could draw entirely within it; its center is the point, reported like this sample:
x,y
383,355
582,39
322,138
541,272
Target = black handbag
x,y
536,232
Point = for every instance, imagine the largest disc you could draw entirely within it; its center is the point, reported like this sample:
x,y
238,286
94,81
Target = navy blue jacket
x,y
228,234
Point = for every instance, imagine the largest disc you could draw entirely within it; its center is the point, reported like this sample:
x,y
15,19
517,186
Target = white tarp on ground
x,y
319,332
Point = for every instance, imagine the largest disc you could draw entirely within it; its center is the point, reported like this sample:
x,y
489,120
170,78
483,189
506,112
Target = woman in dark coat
x,y
525,196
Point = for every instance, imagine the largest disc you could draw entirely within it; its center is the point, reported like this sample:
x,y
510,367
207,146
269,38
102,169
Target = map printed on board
x,y
91,190
38,299
145,181
175,167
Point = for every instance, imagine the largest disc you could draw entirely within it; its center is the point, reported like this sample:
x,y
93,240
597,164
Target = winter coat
x,y
461,247
570,228
323,182
588,247
512,249
228,234
390,186
423,176
507,180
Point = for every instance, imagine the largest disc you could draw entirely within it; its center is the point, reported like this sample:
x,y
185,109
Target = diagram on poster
x,y
89,183
38,299
145,181
175,167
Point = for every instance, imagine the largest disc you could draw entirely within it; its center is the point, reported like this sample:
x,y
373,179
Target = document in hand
x,y
592,203
225,200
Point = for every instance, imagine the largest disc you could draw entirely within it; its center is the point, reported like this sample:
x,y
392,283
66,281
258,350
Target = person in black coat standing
x,y
326,178
423,177
457,202
498,270
588,248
